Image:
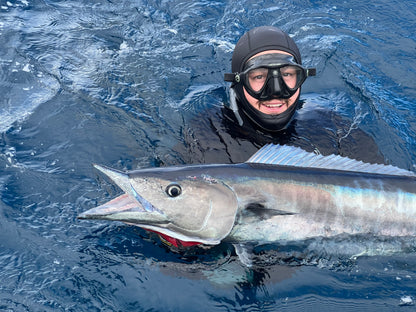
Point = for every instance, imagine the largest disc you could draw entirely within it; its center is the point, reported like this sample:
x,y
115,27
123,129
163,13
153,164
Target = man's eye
x,y
258,74
258,77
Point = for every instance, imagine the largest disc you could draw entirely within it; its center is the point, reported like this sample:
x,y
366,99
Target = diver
x,y
264,106
266,79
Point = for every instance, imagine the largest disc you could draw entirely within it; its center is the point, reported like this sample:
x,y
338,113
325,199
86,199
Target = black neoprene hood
x,y
260,39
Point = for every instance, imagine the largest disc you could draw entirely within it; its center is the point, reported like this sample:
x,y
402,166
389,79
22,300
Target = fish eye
x,y
173,190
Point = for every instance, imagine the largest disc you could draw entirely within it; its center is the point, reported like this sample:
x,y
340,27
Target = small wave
x,y
24,90
195,94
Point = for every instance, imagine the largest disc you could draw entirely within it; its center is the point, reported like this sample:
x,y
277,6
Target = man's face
x,y
273,106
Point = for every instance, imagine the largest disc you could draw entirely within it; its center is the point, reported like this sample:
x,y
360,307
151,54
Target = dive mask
x,y
270,76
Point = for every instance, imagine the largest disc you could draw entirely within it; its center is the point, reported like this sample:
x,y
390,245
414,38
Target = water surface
x,y
118,83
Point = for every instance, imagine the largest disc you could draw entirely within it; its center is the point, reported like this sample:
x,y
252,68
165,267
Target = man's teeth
x,y
273,105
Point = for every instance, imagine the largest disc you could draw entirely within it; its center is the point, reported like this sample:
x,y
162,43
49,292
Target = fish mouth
x,y
127,209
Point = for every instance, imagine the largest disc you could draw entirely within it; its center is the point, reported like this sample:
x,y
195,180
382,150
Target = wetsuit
x,y
217,138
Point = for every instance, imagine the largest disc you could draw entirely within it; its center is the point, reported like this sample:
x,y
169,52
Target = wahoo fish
x,y
281,194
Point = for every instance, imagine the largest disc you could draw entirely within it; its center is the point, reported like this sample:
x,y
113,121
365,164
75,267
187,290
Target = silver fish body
x,y
280,194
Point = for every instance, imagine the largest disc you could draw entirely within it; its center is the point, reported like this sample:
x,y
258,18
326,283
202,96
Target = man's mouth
x,y
273,106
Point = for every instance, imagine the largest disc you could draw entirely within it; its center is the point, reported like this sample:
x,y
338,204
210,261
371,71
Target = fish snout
x,y
120,208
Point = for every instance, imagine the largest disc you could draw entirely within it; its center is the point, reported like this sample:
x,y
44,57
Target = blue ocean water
x,y
114,82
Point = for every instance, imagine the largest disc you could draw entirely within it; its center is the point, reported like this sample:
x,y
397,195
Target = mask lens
x,y
292,76
257,78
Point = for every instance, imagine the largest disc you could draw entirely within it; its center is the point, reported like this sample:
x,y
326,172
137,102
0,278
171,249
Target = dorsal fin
x,y
285,155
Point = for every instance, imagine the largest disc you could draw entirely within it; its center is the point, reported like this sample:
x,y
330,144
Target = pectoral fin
x,y
257,210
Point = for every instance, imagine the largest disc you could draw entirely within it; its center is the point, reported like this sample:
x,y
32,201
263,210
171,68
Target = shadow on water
x,y
212,262
219,265
145,259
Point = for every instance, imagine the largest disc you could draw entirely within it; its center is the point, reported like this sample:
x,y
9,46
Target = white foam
x,y
406,301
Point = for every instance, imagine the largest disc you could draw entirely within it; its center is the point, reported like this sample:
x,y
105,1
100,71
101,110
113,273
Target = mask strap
x,y
234,106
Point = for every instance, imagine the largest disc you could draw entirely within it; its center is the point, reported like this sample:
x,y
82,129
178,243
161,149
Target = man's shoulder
x,y
216,137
